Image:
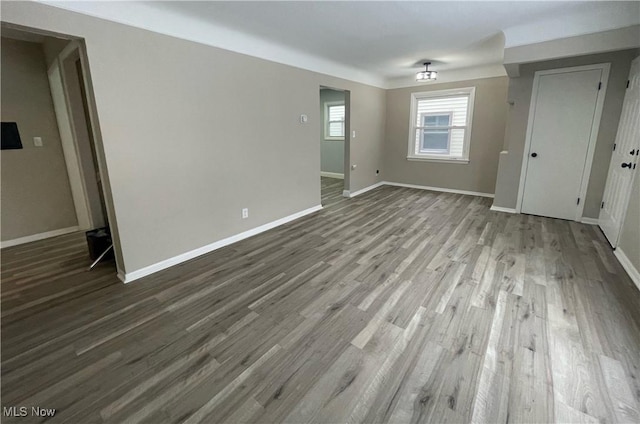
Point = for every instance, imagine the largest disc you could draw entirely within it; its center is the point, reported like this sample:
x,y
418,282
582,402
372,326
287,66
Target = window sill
x,y
431,159
334,139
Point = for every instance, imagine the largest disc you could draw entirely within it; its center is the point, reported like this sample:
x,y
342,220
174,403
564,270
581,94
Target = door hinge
x,y
627,83
599,85
578,202
602,205
614,146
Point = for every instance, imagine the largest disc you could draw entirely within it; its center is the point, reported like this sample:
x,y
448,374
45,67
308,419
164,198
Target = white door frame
x,y
68,139
604,78
346,165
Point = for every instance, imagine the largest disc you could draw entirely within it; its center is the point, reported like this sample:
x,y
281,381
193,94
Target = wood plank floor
x,y
399,305
331,190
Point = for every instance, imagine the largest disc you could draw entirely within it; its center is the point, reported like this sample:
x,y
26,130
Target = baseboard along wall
x,y
40,236
128,277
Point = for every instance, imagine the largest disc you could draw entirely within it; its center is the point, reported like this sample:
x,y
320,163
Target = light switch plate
x,y
37,141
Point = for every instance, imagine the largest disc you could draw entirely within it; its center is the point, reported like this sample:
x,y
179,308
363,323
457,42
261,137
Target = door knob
x,y
534,155
626,165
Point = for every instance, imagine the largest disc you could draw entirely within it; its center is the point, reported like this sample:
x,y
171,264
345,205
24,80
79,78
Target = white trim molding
x,y
332,175
40,236
68,140
159,266
501,209
470,93
151,269
634,274
441,189
448,160
349,194
589,221
346,193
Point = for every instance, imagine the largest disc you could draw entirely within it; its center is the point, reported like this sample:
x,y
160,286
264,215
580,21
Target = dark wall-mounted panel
x,y
10,136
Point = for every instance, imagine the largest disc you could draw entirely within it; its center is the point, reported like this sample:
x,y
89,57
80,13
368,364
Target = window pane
x,y
435,140
336,113
430,121
336,129
440,125
436,120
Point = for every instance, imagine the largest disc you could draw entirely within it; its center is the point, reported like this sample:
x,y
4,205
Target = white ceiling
x,y
374,42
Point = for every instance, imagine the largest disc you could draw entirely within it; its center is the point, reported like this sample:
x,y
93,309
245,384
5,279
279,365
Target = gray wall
x,y
630,232
36,196
517,117
190,137
331,151
487,136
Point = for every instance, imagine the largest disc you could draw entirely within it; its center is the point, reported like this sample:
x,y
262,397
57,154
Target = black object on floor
x,y
99,240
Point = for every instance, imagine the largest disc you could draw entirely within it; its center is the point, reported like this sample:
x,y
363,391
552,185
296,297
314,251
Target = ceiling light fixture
x,y
426,75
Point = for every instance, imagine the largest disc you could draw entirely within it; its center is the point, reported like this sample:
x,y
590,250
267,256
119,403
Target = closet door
x,y
563,118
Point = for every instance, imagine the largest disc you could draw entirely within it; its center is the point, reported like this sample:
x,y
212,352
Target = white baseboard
x,y
148,270
590,221
361,191
634,274
501,209
36,237
440,189
346,193
332,175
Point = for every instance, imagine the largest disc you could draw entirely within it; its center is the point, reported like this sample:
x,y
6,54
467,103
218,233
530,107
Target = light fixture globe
x,y
426,75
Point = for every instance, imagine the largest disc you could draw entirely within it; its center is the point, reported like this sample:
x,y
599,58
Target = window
x,y
435,137
334,121
441,125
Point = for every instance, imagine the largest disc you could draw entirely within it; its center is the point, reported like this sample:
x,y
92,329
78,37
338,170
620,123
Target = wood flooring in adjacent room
x,y
331,189
399,305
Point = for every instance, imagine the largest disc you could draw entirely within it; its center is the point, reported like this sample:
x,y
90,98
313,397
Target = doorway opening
x,y
49,98
334,143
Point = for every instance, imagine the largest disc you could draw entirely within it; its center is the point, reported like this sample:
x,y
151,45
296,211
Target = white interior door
x,y
560,132
624,160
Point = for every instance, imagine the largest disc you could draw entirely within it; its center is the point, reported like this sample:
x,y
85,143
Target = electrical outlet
x,y
245,213
37,141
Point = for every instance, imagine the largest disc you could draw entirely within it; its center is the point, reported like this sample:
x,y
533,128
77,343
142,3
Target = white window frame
x,y
448,128
327,105
415,97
